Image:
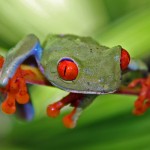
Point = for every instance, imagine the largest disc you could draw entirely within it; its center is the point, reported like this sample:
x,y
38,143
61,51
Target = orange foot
x,y
16,90
143,101
69,120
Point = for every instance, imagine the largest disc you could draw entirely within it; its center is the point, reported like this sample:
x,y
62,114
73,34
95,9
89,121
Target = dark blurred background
x,y
108,124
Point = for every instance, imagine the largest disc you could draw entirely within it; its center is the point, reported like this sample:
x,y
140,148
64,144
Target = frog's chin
x,y
90,92
84,91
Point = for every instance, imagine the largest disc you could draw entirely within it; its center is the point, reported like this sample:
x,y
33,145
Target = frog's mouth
x,y
86,91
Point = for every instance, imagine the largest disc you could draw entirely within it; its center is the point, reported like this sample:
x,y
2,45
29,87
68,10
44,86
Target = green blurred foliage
x,y
108,124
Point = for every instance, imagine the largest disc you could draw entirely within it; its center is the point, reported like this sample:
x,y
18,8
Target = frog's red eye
x,y
124,59
67,69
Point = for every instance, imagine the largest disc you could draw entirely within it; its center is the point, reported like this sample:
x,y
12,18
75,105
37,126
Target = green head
x,y
81,65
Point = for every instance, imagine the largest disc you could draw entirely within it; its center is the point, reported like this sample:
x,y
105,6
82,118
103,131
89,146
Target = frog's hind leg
x,y
12,79
78,101
27,47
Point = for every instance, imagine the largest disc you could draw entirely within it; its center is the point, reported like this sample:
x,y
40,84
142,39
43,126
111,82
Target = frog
x,y
76,64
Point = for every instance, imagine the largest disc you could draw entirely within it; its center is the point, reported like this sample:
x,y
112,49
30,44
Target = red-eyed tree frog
x,y
72,63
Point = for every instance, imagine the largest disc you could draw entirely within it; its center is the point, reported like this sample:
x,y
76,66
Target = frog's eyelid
x,y
65,58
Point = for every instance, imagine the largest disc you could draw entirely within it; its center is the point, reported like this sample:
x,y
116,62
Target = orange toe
x,y
8,107
68,122
22,98
53,110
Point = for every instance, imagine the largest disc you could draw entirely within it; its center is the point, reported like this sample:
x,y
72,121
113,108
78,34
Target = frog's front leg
x,y
77,100
12,79
143,101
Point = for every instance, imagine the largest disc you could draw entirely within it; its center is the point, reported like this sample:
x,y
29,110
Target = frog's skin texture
x,y
96,74
97,71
